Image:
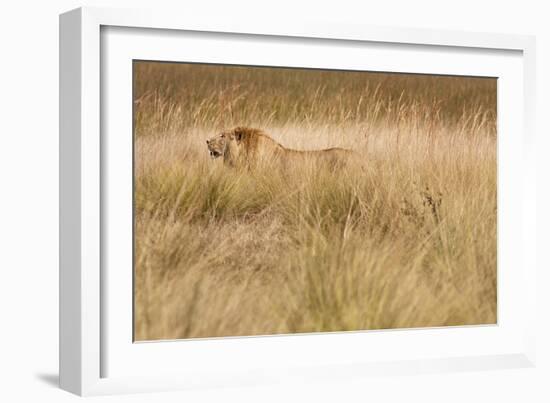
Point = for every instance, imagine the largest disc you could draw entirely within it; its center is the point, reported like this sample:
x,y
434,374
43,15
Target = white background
x,y
29,201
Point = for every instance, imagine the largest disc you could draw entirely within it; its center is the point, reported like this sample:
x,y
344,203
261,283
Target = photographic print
x,y
273,200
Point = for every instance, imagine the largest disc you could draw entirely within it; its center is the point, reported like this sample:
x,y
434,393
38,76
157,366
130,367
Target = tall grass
x,y
403,237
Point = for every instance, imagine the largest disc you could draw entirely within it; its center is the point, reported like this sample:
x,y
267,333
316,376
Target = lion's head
x,y
216,145
226,144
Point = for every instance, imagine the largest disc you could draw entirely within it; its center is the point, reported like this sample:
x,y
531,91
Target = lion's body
x,y
248,147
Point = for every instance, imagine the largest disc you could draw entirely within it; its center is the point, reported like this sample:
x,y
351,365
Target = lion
x,y
247,147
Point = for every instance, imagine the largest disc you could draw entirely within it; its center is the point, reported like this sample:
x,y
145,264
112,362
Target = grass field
x,y
404,238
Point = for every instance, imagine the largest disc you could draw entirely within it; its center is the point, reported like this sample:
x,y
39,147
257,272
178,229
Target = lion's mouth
x,y
215,154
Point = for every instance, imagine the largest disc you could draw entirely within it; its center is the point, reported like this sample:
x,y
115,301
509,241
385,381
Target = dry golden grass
x,y
406,237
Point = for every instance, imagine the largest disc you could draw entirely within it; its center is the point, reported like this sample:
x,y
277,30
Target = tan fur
x,y
248,147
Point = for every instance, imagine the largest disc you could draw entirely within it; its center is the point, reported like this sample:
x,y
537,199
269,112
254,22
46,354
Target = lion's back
x,y
332,156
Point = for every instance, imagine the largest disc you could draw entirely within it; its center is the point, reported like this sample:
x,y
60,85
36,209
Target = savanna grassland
x,y
404,237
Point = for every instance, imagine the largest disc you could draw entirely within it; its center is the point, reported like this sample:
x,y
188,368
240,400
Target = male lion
x,y
247,147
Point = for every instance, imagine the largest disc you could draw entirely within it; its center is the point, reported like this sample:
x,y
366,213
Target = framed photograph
x,y
253,203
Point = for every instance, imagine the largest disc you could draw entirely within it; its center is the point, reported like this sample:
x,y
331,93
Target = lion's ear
x,y
238,136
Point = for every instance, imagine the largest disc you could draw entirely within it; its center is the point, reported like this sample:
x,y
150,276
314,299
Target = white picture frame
x,y
96,354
